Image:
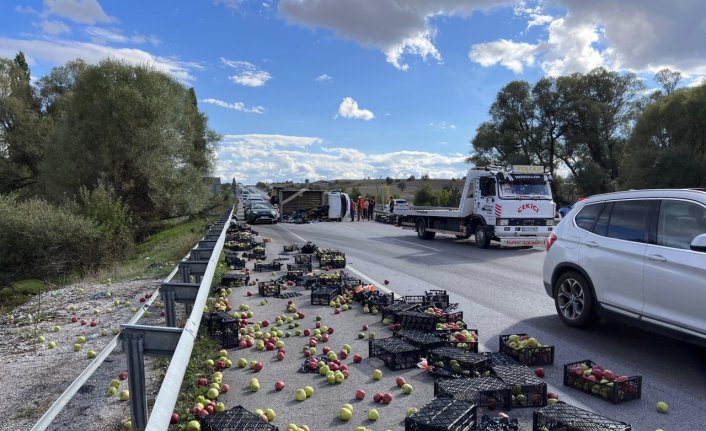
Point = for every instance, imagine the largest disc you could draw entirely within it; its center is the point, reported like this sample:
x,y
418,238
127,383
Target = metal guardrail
x,y
138,340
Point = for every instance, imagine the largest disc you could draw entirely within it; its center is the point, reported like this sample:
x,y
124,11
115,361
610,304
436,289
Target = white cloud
x,y
102,35
323,77
238,106
230,4
512,55
60,51
630,35
443,125
349,109
398,28
252,158
247,74
81,11
53,27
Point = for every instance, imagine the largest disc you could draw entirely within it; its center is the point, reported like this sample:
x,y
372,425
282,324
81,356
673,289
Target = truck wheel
x,y
482,239
422,231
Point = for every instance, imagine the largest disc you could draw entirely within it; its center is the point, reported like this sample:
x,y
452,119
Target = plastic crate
x,y
272,266
236,419
294,275
542,355
495,423
327,252
398,307
269,288
291,247
332,261
416,319
468,346
223,328
500,358
396,353
526,388
324,295
488,392
432,298
329,279
467,364
302,258
443,414
234,279
377,299
306,267
563,417
425,341
238,245
615,392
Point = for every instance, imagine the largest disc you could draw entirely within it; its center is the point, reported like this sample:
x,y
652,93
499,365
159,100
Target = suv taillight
x,y
550,241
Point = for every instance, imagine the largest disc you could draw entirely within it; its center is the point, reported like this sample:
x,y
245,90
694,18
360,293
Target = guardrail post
x,y
173,293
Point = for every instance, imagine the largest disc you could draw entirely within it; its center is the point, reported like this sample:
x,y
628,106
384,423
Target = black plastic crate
x,y
425,341
302,258
500,358
269,288
272,266
329,279
223,328
398,307
294,275
307,280
332,261
562,417
416,319
324,295
327,252
308,248
467,364
488,392
526,388
305,267
378,299
466,345
238,245
234,279
443,414
291,247
396,353
236,419
627,389
540,355
496,423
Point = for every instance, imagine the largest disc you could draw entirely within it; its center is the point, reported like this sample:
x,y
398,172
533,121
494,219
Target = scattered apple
x,y
124,395
373,415
662,407
279,385
359,394
377,374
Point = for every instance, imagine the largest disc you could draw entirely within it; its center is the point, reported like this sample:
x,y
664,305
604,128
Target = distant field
x,y
380,187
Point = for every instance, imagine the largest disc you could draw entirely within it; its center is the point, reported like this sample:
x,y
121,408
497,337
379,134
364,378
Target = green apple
x,y
91,354
80,339
124,395
271,415
373,415
407,388
377,374
411,411
51,345
662,407
41,339
115,383
116,331
242,362
309,391
77,347
212,394
193,425
112,391
348,406
300,395
57,328
344,414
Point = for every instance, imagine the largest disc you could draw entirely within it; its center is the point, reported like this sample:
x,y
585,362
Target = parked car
x,y
640,254
260,212
400,204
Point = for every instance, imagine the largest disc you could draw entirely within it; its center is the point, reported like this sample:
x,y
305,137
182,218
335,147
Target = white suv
x,y
641,254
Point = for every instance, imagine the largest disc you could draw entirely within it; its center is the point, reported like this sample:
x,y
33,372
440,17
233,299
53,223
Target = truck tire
x,y
482,238
422,232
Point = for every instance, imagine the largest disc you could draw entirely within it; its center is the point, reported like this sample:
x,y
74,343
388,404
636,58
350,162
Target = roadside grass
x,y
153,258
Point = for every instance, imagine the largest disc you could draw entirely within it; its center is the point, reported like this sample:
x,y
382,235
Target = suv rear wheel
x,y
574,300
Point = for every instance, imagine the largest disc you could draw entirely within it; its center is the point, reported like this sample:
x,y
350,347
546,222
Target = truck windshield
x,y
518,189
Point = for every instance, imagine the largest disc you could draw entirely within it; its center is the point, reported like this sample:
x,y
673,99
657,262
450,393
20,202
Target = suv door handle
x,y
657,257
591,243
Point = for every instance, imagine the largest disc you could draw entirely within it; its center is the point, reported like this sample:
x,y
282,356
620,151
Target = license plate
x,y
530,229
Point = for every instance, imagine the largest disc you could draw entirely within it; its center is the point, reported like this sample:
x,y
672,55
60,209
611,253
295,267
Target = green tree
x,y
424,196
667,147
23,129
388,181
355,192
401,186
136,130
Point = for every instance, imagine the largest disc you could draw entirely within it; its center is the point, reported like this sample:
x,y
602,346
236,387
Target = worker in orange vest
x,y
354,207
366,204
360,206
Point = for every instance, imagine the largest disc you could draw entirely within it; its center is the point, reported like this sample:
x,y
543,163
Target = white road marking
x,y
415,244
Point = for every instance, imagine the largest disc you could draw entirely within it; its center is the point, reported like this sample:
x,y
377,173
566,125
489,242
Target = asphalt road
x,y
501,292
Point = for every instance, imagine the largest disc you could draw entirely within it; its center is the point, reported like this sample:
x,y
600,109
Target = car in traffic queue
x,y
640,254
260,212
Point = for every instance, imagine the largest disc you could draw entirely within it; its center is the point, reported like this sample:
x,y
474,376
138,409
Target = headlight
x,y
501,222
550,222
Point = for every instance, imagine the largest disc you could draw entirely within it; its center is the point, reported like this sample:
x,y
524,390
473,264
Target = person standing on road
x,y
365,209
392,205
353,209
371,209
360,207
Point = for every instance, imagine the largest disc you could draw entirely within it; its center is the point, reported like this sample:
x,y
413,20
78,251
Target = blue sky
x,y
325,89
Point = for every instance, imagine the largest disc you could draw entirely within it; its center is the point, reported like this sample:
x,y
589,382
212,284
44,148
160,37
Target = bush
x,y
38,239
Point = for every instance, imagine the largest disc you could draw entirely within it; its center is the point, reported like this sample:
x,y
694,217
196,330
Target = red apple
x,y
359,394
539,372
365,327
202,381
225,387
74,319
333,366
326,349
343,354
94,322
330,330
386,282
345,373
400,381
312,342
269,346
279,385
202,413
242,344
343,367
280,356
318,324
324,337
142,299
259,367
84,322
336,311
307,353
175,418
307,332
386,398
265,323
249,293
301,315
122,375
357,358
377,397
